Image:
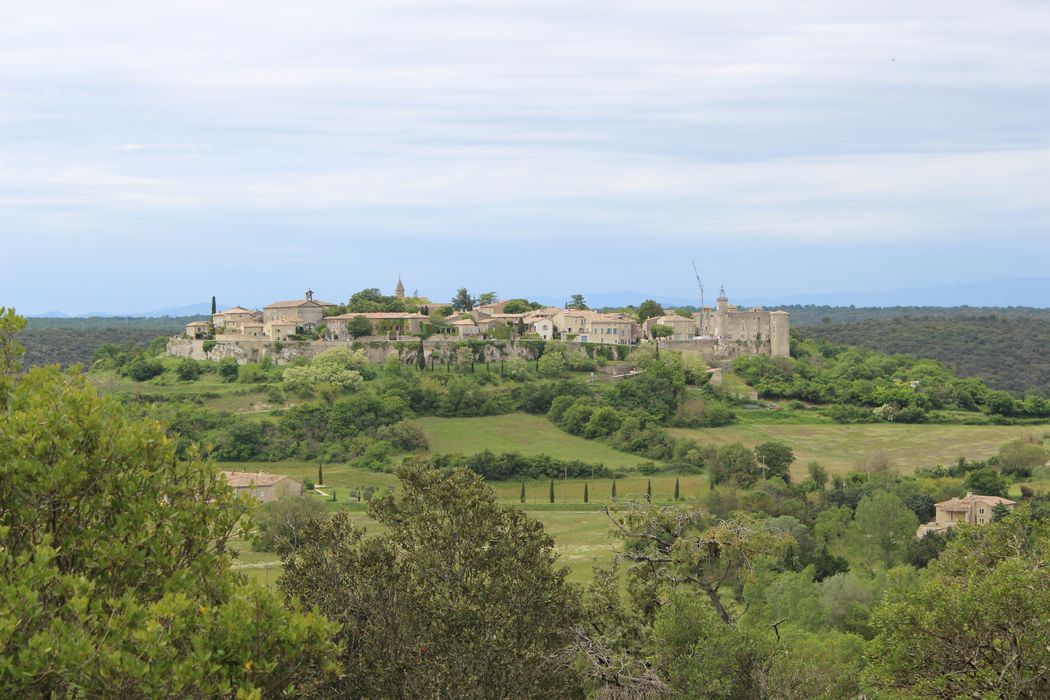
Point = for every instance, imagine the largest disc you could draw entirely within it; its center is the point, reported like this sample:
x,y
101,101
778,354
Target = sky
x,y
154,154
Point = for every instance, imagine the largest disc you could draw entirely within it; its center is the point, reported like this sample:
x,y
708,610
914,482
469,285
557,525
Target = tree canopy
x,y
459,597
114,571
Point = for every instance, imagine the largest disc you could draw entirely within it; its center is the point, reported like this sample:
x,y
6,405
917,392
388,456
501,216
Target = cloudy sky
x,y
156,153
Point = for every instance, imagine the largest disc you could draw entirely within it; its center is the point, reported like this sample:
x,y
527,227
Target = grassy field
x,y
842,448
518,432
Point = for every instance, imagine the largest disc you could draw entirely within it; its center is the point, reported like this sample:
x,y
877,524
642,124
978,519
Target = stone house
x,y
305,313
465,327
588,326
197,329
388,323
233,320
683,328
975,510
262,486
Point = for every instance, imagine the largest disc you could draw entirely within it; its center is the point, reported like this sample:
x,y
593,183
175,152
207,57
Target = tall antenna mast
x,y
701,285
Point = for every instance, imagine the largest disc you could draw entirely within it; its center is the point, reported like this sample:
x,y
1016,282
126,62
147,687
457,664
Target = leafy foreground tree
x,y
114,576
460,598
978,624
683,635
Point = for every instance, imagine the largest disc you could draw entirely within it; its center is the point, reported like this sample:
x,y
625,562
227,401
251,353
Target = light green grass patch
x,y
843,448
518,432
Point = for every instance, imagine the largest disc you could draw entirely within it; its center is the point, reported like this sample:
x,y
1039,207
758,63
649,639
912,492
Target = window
x,y
982,511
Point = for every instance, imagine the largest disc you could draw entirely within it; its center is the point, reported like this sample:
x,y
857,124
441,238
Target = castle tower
x,y
399,290
780,333
309,295
722,303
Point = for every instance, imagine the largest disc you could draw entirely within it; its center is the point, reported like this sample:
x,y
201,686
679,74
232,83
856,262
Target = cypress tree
x,y
523,492
649,491
552,490
320,472
333,495
677,491
213,308
586,498
614,490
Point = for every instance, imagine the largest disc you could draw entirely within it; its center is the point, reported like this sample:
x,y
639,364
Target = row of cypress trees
x,y
586,491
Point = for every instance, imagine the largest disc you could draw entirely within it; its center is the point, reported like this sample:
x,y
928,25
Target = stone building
x,y
737,331
261,486
975,510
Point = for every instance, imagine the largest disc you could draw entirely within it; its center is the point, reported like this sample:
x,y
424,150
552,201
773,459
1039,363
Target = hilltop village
x,y
722,332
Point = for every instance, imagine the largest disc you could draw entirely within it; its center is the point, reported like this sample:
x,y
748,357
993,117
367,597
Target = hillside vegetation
x,y
1008,352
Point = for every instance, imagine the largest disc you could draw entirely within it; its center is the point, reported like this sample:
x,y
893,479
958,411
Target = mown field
x,y
518,432
840,448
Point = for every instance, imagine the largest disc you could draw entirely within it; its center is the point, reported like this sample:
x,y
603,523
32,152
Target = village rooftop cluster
x,y
725,326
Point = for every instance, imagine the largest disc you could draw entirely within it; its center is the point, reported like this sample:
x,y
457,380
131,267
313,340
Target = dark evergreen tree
x,y
677,489
649,490
552,490
213,307
523,492
614,489
586,495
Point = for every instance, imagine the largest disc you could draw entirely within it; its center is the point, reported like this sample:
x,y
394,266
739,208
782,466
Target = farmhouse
x,y
262,486
682,328
975,510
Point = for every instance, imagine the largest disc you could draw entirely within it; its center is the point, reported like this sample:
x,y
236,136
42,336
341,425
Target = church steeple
x,y
399,290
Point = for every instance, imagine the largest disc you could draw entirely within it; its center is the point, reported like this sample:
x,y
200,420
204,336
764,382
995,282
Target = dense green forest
x,y
810,314
1007,351
69,341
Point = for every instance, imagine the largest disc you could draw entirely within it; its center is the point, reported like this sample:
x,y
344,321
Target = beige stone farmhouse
x,y
975,510
262,486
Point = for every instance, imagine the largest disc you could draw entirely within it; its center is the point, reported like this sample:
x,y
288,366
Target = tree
x,y
649,309
818,474
187,370
228,369
523,492
660,330
677,490
649,490
983,612
777,459
687,546
282,522
487,298
114,572
552,364
552,491
736,463
11,351
1020,458
338,367
213,307
614,490
463,301
459,597
577,302
358,327
516,306
881,530
923,505
586,495
985,482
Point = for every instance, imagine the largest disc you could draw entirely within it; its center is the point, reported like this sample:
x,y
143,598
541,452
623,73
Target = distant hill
x,y
69,341
1008,348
